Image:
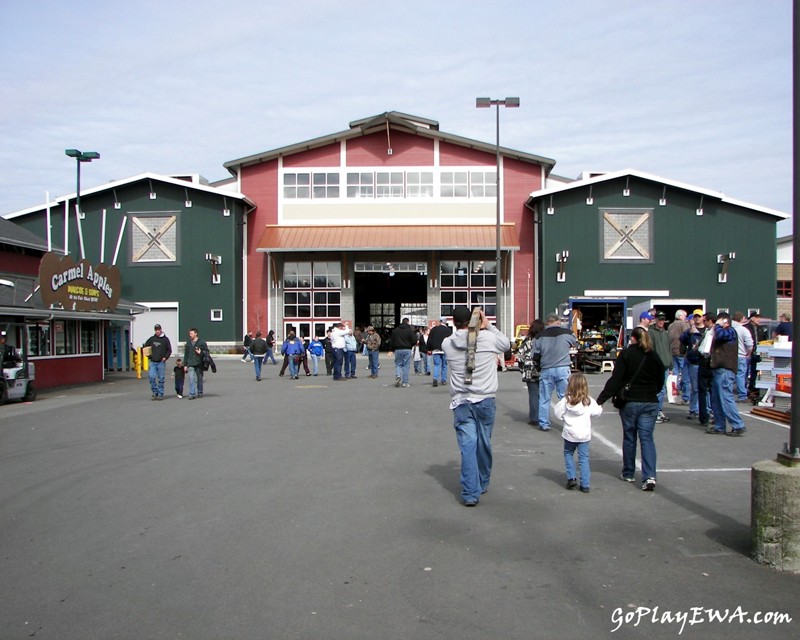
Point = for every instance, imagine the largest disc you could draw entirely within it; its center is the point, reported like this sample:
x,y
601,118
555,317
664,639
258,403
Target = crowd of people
x,y
712,356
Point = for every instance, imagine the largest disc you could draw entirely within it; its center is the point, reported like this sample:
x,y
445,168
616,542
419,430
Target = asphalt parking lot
x,y
312,509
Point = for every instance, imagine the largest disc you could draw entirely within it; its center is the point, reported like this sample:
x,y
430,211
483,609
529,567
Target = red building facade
x,y
387,219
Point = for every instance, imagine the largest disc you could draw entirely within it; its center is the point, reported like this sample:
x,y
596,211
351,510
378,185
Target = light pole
x,y
509,103
80,156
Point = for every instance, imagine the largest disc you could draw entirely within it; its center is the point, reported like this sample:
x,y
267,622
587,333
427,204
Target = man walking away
x,y
160,351
435,338
473,404
551,352
258,349
403,338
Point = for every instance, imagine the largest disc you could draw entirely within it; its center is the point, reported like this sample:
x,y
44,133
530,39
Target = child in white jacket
x,y
576,410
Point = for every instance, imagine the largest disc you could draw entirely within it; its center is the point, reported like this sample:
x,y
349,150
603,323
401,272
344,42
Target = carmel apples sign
x,y
78,286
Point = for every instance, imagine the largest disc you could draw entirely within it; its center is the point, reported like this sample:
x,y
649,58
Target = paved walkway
x,y
308,509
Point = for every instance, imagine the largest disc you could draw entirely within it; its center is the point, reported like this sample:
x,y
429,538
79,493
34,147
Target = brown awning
x,y
387,238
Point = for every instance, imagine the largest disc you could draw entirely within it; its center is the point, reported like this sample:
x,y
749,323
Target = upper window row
x,y
390,184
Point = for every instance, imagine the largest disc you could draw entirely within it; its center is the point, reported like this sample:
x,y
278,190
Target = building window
x,y
327,275
468,283
297,304
381,314
785,288
327,304
39,339
361,185
296,185
154,238
65,337
419,184
297,275
454,184
627,235
312,296
216,315
326,185
389,185
90,337
483,184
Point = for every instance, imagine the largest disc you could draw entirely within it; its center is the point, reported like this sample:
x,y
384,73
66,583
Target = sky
x,y
698,91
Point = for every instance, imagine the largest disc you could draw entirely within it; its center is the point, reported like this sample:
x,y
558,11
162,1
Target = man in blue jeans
x,y
473,404
551,353
160,351
403,339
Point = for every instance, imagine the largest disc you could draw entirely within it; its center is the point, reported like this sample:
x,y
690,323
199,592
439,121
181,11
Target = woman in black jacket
x,y
640,368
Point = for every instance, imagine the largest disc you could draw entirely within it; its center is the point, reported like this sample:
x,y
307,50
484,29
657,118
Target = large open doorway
x,y
384,299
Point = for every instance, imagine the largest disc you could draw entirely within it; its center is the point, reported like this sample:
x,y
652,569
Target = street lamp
x,y
509,103
80,156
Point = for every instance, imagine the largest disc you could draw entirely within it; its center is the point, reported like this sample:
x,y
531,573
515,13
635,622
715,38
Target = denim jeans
x,y
639,422
741,379
662,394
533,401
270,355
257,362
723,401
294,366
694,392
583,461
338,359
679,369
372,359
402,364
156,373
440,367
191,374
551,379
473,423
314,363
349,364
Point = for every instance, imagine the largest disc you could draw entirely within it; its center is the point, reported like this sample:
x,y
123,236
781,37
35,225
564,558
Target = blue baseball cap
x,y
645,315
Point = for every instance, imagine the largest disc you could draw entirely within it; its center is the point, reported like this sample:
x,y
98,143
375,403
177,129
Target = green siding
x,y
201,228
685,247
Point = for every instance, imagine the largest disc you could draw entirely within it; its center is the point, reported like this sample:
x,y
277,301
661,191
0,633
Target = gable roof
x,y
15,236
633,173
394,120
188,184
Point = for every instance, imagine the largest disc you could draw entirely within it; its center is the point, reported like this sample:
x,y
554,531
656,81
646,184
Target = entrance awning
x,y
278,238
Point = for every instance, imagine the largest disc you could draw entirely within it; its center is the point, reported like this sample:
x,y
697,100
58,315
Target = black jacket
x,y
403,337
437,335
646,384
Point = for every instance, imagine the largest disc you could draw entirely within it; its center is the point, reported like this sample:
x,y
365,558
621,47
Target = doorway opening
x,y
384,299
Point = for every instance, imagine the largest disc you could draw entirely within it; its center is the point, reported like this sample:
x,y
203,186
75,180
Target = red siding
x,y
328,156
20,264
453,155
520,179
260,183
407,150
57,372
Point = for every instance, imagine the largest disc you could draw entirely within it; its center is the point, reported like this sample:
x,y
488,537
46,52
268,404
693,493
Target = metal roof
x,y
278,238
126,181
398,121
605,177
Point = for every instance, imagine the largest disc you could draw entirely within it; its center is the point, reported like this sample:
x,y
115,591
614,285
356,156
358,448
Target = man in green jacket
x,y
193,363
660,339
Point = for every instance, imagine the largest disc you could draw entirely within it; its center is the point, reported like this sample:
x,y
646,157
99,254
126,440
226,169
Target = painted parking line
x,y
605,441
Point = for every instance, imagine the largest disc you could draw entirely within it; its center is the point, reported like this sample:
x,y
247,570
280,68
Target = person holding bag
x,y
640,372
530,373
